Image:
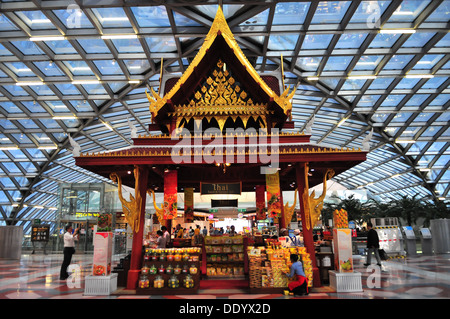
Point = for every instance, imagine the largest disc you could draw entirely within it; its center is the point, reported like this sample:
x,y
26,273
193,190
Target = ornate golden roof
x,y
221,28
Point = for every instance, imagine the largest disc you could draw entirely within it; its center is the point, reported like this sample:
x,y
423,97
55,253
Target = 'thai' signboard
x,y
220,188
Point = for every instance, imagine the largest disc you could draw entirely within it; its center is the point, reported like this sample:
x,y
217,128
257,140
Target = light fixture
x,y
342,121
7,148
361,77
48,147
134,81
390,31
49,38
64,117
107,125
119,36
419,76
86,82
405,141
312,78
30,83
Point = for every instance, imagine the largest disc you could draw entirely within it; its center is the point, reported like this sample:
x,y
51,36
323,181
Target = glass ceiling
x,y
359,65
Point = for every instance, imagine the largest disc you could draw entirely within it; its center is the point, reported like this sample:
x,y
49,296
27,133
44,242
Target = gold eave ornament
x,y
220,27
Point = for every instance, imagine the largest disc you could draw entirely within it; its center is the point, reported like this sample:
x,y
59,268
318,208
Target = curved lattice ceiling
x,y
82,67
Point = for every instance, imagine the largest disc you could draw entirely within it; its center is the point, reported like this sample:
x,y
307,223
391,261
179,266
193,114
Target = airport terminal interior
x,y
354,95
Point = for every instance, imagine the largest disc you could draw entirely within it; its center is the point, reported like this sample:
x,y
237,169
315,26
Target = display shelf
x,y
233,247
185,266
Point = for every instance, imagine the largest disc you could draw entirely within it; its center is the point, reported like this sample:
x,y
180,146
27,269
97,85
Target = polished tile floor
x,y
421,277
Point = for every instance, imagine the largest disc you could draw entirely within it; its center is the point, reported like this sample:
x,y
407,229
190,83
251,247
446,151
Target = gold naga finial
x,y
159,211
289,210
131,209
284,100
156,102
315,204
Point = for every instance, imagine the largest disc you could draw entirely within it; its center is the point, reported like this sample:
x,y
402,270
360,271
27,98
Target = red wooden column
x,y
302,174
281,219
136,250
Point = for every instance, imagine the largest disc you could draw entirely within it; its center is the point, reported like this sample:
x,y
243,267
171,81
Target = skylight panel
x,y
35,20
291,13
183,21
282,42
6,24
408,10
330,12
27,47
161,44
128,45
350,40
73,18
48,68
155,16
338,63
369,12
316,41
398,62
418,39
112,17
384,40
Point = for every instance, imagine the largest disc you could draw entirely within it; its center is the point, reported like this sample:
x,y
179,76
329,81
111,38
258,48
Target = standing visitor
x,y
161,241
204,231
373,244
69,250
166,235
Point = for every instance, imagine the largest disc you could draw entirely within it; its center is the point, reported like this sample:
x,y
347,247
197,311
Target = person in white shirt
x,y
166,235
69,250
296,240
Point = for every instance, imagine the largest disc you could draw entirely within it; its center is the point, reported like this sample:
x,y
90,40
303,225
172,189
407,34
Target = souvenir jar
x,y
193,270
173,282
145,270
158,282
162,256
177,270
144,282
161,269
177,256
155,256
185,269
188,282
153,270
170,256
169,270
185,256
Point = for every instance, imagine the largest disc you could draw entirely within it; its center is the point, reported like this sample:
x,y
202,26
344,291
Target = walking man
x,y
373,244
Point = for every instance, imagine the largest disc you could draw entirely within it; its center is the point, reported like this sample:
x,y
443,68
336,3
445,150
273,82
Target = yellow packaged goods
x,y
340,218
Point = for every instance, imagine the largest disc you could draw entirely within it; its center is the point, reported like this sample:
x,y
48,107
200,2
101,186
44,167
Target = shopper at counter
x,y
166,235
69,250
296,240
160,241
284,238
300,285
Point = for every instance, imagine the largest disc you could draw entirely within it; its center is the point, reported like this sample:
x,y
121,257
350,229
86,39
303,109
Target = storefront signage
x,y
188,205
224,202
220,188
87,214
40,233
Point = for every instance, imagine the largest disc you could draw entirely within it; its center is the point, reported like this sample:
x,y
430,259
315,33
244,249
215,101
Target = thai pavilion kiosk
x,y
220,90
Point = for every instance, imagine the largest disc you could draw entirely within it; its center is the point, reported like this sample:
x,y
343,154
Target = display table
x,y
100,285
345,281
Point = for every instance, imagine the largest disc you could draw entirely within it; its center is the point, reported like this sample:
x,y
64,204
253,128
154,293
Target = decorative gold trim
x,y
168,152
